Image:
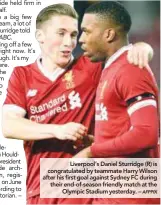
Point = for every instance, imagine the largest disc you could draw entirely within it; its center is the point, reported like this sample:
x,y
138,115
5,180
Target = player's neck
x,y
116,46
49,65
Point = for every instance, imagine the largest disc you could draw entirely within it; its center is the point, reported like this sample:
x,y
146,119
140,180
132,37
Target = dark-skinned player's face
x,y
92,38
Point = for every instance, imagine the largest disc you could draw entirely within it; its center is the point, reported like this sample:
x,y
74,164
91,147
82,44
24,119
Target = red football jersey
x,y
119,82
69,98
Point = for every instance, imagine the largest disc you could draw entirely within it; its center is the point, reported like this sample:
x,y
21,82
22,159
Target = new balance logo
x,y
74,100
31,93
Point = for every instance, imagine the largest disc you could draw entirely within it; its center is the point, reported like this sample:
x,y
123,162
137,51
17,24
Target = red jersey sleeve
x,y
133,81
16,89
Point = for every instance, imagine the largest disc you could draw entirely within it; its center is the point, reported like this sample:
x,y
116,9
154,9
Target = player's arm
x,y
15,126
142,135
140,54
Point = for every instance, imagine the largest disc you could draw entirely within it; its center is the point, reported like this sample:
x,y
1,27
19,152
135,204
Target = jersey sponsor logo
x,y
31,93
74,100
68,78
49,113
101,112
54,106
56,102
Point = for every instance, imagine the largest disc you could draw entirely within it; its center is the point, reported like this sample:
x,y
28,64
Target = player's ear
x,y
39,35
109,35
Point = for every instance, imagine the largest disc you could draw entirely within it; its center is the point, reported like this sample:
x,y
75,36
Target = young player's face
x,y
92,38
59,39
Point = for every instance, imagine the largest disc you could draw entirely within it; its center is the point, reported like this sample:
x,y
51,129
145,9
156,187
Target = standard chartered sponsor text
x,y
52,107
40,118
47,105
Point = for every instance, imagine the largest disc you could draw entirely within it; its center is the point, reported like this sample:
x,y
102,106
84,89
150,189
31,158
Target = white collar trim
x,y
116,55
56,73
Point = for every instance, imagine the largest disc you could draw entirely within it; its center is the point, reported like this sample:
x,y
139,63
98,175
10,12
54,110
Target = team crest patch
x,y
68,78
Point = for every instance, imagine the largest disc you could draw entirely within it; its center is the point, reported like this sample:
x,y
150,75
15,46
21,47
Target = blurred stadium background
x,y
145,26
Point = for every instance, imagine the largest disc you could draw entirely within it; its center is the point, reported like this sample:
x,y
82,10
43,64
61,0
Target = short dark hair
x,y
112,10
55,10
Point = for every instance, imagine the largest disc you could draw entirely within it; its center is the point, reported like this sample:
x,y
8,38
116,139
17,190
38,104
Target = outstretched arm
x,y
15,126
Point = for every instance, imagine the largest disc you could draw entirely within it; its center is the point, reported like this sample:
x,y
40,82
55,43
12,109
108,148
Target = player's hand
x,y
88,140
80,144
70,131
140,54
